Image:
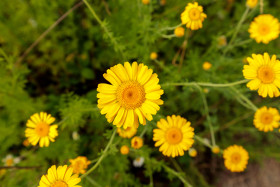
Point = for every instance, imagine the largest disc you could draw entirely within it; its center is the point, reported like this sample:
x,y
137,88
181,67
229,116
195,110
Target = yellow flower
x,y
134,95
264,28
124,150
266,119
215,149
179,31
264,73
40,130
60,177
26,143
153,56
128,132
192,152
206,90
193,16
236,158
206,66
136,142
174,136
251,3
162,2
145,2
79,164
222,41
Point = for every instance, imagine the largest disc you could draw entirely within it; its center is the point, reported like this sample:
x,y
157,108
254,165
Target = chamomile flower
x,y
10,160
128,132
124,150
136,142
79,164
235,158
266,119
138,162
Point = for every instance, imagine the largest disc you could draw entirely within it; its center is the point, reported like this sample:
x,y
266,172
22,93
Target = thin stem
x,y
261,6
101,157
170,28
168,36
168,169
198,138
206,84
253,106
93,182
144,131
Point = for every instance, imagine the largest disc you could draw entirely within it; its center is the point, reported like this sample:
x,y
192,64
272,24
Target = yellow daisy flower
x,y
79,164
215,149
251,3
40,130
264,28
136,142
174,136
193,16
179,31
264,73
132,97
192,152
266,119
236,158
153,56
124,150
206,66
128,132
60,177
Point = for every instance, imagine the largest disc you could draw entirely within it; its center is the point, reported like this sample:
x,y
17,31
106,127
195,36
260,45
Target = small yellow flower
x,y
39,129
235,158
136,142
264,28
145,2
174,136
206,90
26,143
124,150
251,3
79,164
153,56
179,31
222,41
128,132
266,119
60,177
192,152
206,66
264,74
193,16
215,149
162,2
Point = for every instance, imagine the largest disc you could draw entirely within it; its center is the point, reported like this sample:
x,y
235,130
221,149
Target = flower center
x,y
264,29
42,129
235,158
130,95
59,184
127,129
266,74
194,14
9,162
266,118
173,135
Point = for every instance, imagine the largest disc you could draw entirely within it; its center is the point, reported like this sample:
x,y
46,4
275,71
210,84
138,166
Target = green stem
x,y
198,138
170,28
168,169
168,36
101,157
144,131
93,182
253,106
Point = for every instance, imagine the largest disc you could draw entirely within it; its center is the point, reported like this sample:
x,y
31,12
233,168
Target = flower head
x,y
266,119
60,177
145,2
153,56
26,143
192,152
138,162
264,73
174,136
193,16
236,158
128,132
10,160
264,28
79,164
251,3
39,129
136,142
124,150
215,149
206,66
179,31
132,97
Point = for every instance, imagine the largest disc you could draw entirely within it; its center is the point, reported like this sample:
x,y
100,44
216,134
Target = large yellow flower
x,y
264,28
79,164
60,177
264,73
193,16
236,158
132,97
174,136
266,119
128,132
39,129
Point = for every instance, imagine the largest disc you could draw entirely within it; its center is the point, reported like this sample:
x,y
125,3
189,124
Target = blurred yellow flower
x,y
264,28
251,3
206,66
193,16
235,158
153,56
222,41
39,129
215,149
174,136
136,142
124,150
2,172
162,2
79,164
60,177
192,152
128,132
26,143
264,73
266,119
132,97
179,31
145,2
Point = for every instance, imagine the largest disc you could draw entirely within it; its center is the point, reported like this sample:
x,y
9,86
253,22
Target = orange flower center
x,y
266,74
42,129
131,95
173,135
266,118
194,14
59,184
9,162
235,158
264,29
